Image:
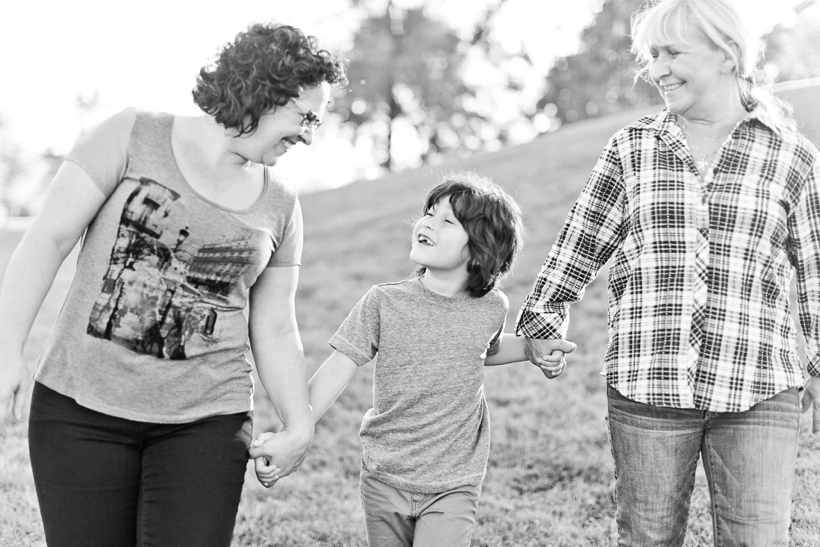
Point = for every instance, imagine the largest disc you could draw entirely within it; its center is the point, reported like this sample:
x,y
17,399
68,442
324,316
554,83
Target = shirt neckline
x,y
170,119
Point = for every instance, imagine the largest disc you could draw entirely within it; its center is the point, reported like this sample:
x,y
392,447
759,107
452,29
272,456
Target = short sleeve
x,y
103,152
495,343
358,335
289,251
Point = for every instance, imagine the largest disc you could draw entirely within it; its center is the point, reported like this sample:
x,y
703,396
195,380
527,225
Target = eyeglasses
x,y
310,119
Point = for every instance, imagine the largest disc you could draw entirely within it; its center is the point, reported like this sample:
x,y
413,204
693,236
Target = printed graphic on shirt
x,y
160,291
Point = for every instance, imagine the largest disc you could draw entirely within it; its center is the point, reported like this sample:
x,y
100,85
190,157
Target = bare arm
x,y
330,381
511,351
325,387
548,357
280,362
71,203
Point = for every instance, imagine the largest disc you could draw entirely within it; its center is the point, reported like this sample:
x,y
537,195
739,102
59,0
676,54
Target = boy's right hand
x,y
267,472
277,455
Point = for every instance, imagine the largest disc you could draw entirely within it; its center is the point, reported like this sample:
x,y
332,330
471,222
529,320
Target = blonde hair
x,y
662,22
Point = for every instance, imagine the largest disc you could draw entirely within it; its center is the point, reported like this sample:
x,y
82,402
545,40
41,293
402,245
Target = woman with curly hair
x,y
142,401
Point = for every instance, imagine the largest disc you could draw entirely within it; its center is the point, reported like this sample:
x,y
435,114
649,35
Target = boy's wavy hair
x,y
263,68
492,220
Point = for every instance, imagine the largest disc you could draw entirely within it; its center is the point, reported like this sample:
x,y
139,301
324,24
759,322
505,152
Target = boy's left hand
x,y
549,354
552,365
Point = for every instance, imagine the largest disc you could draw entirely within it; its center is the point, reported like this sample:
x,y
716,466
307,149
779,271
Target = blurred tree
x,y
26,174
600,78
403,65
414,73
791,50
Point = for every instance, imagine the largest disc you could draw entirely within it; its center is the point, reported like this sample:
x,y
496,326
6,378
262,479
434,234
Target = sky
x,y
147,54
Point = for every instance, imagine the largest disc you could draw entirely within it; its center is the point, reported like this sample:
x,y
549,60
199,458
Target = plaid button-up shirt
x,y
758,209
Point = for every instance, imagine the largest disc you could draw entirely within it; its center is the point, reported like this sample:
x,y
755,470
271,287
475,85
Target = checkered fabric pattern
x,y
699,310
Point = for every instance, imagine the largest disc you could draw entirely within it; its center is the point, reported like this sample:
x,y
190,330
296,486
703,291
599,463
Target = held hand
x,y
266,471
549,355
14,389
277,455
811,399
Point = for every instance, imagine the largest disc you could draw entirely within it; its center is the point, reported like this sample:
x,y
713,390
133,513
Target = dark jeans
x,y
105,482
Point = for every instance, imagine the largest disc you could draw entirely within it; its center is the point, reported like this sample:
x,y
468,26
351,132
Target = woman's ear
x,y
731,62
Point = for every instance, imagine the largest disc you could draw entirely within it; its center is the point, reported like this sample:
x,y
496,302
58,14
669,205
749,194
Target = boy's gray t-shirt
x,y
429,428
153,327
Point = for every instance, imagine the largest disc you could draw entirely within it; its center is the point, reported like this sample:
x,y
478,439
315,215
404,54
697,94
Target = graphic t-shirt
x,y
153,327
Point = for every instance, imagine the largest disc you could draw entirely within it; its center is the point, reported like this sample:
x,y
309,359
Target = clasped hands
x,y
277,455
549,355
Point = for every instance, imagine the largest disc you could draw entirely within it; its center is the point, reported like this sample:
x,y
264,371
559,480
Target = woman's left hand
x,y
278,455
811,399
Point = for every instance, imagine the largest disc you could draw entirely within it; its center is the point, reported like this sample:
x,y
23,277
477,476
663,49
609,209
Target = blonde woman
x,y
707,208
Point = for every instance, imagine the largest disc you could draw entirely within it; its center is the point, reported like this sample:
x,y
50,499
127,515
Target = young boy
x,y
426,440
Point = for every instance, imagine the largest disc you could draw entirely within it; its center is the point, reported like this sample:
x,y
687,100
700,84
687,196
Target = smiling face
x,y
694,77
282,127
440,241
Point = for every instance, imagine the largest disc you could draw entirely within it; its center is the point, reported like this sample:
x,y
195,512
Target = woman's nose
x,y
307,135
658,69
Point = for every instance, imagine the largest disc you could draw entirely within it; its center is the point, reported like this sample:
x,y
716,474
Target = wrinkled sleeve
x,y
358,335
289,250
804,231
592,232
495,343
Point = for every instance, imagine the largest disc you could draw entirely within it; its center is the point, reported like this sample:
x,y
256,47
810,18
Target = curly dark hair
x,y
264,67
492,220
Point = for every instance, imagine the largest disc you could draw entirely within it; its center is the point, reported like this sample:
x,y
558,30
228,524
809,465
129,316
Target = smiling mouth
x,y
288,144
424,240
671,87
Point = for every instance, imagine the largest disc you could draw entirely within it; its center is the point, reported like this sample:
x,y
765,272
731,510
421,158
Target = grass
x,y
549,481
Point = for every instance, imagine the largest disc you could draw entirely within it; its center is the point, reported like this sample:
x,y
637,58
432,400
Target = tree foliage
x,y
791,50
600,78
404,65
409,69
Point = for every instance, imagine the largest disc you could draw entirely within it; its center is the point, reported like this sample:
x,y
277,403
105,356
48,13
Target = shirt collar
x,y
664,121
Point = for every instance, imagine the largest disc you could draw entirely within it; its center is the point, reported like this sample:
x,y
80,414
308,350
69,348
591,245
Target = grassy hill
x,y
359,234
550,473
